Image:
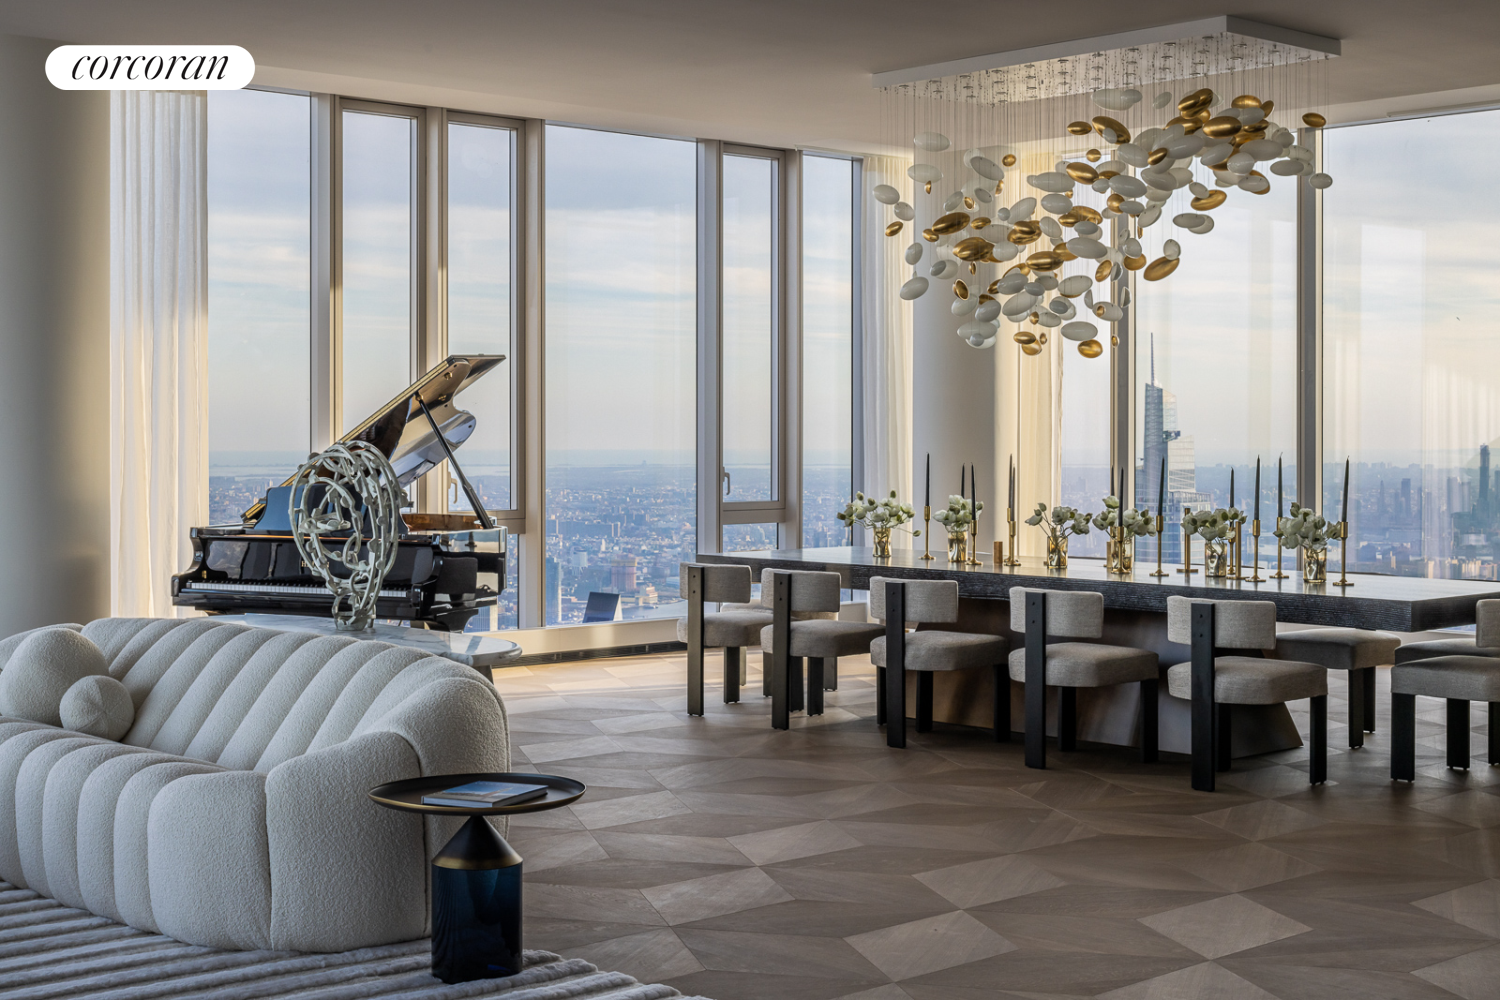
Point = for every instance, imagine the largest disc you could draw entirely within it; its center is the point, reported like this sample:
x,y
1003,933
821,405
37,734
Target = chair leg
x,y
796,685
1318,772
1403,737
694,676
1203,708
1369,685
1494,747
1036,680
1002,703
924,701
814,685
734,660
1150,727
895,705
1067,719
766,669
1458,733
831,674
780,678
880,696
1357,712
1223,737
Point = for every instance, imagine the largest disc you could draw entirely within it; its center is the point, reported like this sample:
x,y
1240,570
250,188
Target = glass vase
x,y
1119,555
1216,558
1057,552
882,542
1314,566
958,546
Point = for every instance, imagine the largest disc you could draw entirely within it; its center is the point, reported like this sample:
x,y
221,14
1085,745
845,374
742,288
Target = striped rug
x,y
52,952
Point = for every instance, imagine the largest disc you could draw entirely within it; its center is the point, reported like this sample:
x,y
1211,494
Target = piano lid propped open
x,y
404,435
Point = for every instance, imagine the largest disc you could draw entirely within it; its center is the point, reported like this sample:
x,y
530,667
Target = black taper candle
x,y
1231,487
963,490
1011,496
1279,511
1344,518
974,489
927,494
1161,490
1257,487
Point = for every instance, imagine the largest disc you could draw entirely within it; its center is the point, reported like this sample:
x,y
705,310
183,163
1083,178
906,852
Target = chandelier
x,y
1044,179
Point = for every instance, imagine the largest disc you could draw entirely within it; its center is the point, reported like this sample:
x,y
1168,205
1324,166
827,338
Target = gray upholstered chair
x,y
1213,682
1068,666
730,630
788,641
896,602
1458,679
1357,652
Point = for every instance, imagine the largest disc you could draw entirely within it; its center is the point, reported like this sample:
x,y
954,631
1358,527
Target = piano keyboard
x,y
302,590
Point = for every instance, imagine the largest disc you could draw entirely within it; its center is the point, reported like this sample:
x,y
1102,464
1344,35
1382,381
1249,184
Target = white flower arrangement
x,y
1060,521
878,514
1137,523
958,515
1305,529
1212,526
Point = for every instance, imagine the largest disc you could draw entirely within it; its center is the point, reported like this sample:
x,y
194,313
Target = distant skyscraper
x,y
1163,439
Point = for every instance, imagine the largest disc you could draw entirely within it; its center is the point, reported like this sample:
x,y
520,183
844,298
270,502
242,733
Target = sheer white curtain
x,y
886,340
158,342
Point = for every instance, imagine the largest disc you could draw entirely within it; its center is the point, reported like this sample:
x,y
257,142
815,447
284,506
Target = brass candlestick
x,y
1237,562
1161,524
973,559
999,555
1278,575
1187,553
927,532
1012,561
1255,576
1343,580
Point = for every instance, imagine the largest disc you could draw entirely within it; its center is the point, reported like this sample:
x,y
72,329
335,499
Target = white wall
x,y
54,345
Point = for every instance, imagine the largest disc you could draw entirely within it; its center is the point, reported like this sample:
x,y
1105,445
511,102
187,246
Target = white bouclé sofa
x,y
233,813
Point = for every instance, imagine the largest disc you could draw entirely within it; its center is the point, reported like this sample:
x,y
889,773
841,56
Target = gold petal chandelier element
x,y
1053,179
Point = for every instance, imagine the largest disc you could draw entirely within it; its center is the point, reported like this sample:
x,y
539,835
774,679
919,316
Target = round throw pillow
x,y
42,669
98,705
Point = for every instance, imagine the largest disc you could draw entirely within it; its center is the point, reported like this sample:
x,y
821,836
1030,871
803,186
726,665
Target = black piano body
x,y
448,568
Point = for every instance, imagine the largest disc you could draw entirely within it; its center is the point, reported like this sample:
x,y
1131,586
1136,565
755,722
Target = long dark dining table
x,y
1135,615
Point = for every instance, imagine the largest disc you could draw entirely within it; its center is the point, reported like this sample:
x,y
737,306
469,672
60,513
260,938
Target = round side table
x,y
476,877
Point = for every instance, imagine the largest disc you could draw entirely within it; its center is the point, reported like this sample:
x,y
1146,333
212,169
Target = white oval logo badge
x,y
150,67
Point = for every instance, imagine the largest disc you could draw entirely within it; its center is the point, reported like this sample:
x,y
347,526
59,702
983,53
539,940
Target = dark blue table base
x,y
476,906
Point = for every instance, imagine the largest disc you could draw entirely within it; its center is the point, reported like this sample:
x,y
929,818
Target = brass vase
x,y
882,542
1057,552
1314,566
1119,554
958,546
1217,558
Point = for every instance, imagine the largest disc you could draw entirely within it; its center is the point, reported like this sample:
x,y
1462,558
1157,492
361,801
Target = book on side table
x,y
485,793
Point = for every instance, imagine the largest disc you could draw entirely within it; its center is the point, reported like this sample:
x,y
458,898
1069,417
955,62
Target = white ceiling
x,y
782,72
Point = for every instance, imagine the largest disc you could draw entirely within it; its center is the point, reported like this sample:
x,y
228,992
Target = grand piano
x,y
448,567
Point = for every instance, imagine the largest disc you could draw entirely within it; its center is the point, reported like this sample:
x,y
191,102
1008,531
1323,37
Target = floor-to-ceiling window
x,y
1411,351
750,185
379,221
1216,365
620,371
258,236
827,346
481,260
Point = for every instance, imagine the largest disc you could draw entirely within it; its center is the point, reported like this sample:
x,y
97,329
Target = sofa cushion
x,y
98,705
41,670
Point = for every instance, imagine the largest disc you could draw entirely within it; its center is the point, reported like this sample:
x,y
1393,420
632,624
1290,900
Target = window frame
x,y
783,505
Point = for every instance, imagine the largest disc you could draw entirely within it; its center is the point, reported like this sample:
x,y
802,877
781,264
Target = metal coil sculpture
x,y
328,525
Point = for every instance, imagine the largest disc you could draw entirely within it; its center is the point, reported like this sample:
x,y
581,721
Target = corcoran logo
x,y
150,67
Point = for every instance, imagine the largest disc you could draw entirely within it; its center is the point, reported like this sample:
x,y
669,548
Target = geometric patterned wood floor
x,y
739,863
